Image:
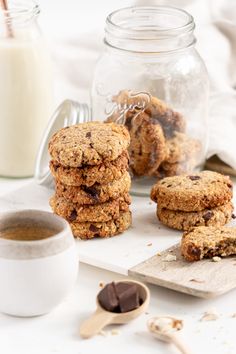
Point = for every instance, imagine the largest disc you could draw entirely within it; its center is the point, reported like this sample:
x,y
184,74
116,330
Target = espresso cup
x,y
37,271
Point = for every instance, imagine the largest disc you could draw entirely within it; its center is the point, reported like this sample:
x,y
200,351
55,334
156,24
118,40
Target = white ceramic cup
x,y
35,276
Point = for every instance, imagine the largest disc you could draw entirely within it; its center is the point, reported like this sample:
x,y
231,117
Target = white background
x,y
58,331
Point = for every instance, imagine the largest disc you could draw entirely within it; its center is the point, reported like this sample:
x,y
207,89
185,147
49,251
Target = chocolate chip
x,y
230,185
91,191
194,251
233,216
93,228
55,167
206,216
73,215
194,178
88,135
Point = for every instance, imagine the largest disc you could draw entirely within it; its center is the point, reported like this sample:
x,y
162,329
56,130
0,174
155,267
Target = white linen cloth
x,y
76,32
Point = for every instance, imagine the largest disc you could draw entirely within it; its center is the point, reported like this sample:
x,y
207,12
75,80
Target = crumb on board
x,y
210,315
149,244
158,253
103,333
216,259
101,284
169,258
115,332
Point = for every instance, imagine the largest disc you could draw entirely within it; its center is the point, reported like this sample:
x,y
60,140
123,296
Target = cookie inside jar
x,y
160,143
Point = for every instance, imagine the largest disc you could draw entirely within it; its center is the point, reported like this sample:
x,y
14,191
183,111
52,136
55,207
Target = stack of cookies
x,y
159,144
89,163
202,199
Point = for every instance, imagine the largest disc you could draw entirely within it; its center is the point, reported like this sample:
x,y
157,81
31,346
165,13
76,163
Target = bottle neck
x,y
150,29
19,20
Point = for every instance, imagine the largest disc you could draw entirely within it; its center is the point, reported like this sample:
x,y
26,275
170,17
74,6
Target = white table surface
x,y
57,332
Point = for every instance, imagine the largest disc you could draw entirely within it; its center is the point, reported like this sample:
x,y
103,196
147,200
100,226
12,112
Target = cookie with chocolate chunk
x,y
147,146
194,192
105,172
89,230
97,193
207,242
170,120
182,156
182,220
159,113
150,122
88,144
74,212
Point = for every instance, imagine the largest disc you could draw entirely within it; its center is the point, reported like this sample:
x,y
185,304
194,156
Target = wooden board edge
x,y
193,291
172,286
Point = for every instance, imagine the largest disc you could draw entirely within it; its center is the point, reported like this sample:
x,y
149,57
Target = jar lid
x,y
68,113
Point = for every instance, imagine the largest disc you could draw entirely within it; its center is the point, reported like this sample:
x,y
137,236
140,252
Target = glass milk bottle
x,y
25,88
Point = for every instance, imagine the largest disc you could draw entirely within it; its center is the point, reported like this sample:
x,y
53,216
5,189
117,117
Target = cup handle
x,y
95,323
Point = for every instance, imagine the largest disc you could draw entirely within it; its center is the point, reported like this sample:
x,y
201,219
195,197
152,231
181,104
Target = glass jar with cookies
x,y
151,79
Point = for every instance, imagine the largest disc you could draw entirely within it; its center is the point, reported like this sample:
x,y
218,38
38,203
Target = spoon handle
x,y
180,345
95,323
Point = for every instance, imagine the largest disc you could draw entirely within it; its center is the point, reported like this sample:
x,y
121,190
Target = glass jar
x,y
151,78
26,92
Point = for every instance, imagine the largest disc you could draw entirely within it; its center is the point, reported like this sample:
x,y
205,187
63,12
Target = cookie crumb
x,y
115,332
169,258
234,315
216,259
103,333
101,284
158,253
210,315
149,244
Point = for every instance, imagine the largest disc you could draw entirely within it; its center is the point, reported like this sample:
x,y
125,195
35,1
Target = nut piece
x,y
169,258
210,315
216,259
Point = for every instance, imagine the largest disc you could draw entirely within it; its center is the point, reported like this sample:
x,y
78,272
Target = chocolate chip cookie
x,y
207,242
105,172
159,113
104,212
170,120
97,193
182,155
88,144
195,192
147,147
88,230
182,220
150,122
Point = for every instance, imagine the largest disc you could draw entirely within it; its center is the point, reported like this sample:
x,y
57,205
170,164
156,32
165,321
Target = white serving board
x,y
143,240
137,251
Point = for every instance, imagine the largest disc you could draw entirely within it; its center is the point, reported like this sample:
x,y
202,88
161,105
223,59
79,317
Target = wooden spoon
x,y
102,318
164,328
